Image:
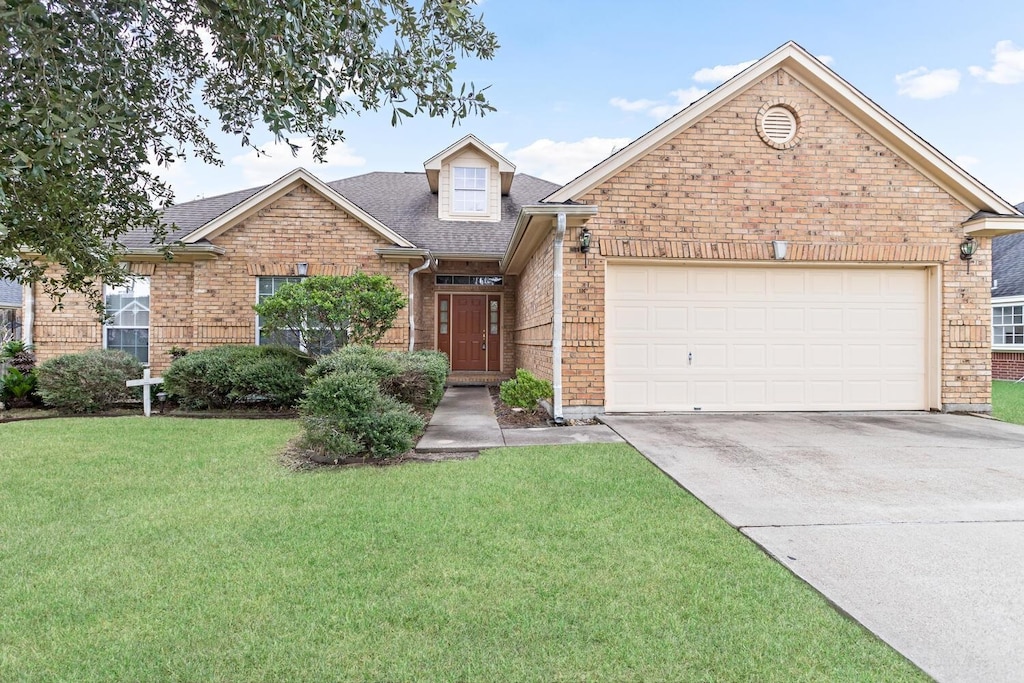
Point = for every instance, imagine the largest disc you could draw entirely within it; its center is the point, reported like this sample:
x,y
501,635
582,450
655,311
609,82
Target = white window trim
x,y
486,191
1008,301
256,332
149,326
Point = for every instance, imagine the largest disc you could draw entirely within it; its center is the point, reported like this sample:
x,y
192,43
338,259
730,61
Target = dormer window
x,y
469,189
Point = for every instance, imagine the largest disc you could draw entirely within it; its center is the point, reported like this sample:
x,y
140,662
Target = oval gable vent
x,y
779,125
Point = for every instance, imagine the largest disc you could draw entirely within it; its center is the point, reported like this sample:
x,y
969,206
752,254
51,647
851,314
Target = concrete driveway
x,y
912,523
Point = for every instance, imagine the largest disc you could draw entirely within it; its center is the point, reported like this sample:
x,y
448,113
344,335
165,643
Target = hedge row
x,y
227,376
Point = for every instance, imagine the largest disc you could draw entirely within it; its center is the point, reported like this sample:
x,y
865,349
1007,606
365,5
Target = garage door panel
x,y
710,319
749,356
774,338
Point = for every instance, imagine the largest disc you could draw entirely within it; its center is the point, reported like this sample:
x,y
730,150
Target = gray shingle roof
x,y
404,203
10,294
189,217
1008,264
401,201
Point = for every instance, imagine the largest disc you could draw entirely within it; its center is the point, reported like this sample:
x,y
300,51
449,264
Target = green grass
x,y
178,550
1008,401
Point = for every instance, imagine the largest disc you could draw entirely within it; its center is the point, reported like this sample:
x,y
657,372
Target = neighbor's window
x,y
268,287
1008,325
127,321
469,193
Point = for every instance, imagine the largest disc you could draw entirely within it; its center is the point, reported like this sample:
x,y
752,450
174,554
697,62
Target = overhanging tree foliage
x,y
94,93
331,311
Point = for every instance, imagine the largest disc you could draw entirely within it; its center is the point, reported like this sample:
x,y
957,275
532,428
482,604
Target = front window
x,y
127,318
268,287
1008,325
469,192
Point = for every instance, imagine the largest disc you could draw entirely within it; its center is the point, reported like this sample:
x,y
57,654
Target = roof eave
x,y
993,226
529,218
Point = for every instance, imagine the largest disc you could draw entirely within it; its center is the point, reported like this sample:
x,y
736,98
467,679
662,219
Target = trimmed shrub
x,y
87,382
345,414
357,357
225,376
525,390
415,378
421,382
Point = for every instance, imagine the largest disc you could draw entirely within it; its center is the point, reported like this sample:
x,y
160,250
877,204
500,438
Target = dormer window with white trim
x,y
469,189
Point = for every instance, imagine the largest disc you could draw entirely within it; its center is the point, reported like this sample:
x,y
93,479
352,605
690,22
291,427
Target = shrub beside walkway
x,y
464,421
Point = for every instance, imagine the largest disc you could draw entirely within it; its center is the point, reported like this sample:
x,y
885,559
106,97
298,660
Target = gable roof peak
x,y
433,165
823,81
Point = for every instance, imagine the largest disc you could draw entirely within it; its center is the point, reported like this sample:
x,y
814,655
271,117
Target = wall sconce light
x,y
779,247
585,240
967,249
301,269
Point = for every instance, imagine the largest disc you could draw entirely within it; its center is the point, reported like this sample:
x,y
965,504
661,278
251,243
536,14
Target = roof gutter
x,y
197,251
536,210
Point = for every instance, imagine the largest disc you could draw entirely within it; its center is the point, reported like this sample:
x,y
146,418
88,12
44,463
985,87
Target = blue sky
x,y
574,80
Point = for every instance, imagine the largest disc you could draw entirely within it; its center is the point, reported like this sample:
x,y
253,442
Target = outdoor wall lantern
x,y
780,247
301,269
967,249
584,240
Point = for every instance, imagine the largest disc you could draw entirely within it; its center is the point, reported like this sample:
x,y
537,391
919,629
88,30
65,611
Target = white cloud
x,y
966,160
720,73
928,84
1007,65
632,105
560,162
827,60
278,160
661,109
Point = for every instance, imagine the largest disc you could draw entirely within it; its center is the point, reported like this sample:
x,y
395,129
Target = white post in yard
x,y
146,382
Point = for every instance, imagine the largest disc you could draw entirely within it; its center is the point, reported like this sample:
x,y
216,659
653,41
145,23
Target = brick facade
x,y
718,192
534,313
207,303
1007,365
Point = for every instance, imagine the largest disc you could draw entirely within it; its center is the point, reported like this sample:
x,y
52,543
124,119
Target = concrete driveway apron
x,y
912,523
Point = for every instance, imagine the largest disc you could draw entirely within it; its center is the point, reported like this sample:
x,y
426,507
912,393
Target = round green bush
x,y
345,414
356,357
225,376
524,390
87,382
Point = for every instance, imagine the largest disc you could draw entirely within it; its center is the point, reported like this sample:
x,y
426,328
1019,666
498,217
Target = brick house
x,y
1008,306
780,244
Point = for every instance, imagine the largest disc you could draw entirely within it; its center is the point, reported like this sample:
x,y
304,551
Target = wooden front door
x,y
469,331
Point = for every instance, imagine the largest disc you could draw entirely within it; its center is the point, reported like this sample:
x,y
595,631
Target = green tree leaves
x,y
96,95
331,311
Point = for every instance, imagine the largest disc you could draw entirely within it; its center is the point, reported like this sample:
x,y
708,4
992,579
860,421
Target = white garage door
x,y
757,338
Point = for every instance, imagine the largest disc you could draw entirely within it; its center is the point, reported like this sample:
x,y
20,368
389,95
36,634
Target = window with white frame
x,y
1008,325
267,287
126,326
469,189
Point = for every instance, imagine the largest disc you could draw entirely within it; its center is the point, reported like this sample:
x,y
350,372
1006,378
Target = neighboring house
x,y
780,244
1008,306
10,308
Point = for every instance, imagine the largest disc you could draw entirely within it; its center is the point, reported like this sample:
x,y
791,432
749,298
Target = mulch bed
x,y
298,459
517,418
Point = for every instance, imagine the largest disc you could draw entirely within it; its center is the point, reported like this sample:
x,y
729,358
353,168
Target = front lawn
x,y
180,550
1008,401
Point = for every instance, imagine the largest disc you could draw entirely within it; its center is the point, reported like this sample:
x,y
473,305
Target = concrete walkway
x,y
464,421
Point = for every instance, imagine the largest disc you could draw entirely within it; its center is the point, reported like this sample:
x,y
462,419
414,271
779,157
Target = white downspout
x,y
556,322
28,314
412,300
